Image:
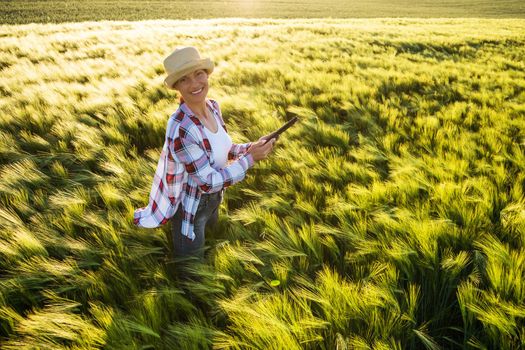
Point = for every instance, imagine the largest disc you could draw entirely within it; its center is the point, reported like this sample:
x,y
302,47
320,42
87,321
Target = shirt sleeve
x,y
238,149
160,207
186,149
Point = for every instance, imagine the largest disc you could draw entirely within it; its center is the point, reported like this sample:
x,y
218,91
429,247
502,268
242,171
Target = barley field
x,y
391,216
57,11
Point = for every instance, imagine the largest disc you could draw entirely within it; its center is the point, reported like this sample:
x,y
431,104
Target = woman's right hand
x,y
259,150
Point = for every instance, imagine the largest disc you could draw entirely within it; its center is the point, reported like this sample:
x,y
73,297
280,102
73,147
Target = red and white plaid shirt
x,y
184,170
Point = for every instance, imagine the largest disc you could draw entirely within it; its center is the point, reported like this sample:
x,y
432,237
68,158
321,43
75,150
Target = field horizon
x,y
27,11
391,216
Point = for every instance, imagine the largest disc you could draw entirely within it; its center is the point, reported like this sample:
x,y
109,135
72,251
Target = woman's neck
x,y
199,109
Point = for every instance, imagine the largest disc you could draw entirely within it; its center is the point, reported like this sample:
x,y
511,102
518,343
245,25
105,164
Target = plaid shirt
x,y
184,170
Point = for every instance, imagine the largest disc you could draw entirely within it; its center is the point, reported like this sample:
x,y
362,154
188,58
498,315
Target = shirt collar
x,y
184,107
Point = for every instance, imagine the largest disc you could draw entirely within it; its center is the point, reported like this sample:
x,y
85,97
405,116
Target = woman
x,y
198,159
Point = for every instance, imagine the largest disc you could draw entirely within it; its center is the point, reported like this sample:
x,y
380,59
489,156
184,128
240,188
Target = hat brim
x,y
204,63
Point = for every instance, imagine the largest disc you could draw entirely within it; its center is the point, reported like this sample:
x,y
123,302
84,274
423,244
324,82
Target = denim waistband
x,y
211,194
208,197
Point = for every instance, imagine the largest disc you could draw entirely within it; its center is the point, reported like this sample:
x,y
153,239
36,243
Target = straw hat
x,y
183,61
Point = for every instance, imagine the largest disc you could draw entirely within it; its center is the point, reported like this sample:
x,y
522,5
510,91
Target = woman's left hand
x,y
262,138
266,136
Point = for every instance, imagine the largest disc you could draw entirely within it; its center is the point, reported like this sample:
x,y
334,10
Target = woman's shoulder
x,y
181,121
217,109
177,117
214,104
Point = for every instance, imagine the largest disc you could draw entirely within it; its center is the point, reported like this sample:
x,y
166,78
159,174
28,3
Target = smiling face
x,y
193,86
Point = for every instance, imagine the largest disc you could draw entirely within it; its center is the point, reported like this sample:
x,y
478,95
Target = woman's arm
x,y
185,149
238,149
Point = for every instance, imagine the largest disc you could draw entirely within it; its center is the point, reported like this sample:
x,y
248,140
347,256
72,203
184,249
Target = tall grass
x,y
390,217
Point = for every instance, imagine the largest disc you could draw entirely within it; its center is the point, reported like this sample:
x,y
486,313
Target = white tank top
x,y
220,143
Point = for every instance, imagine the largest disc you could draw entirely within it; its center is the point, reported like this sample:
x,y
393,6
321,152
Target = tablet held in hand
x,y
281,129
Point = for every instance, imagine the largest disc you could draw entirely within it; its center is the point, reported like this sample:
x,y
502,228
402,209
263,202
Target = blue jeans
x,y
207,213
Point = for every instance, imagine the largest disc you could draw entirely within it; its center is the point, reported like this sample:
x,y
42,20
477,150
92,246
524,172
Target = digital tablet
x,y
281,129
